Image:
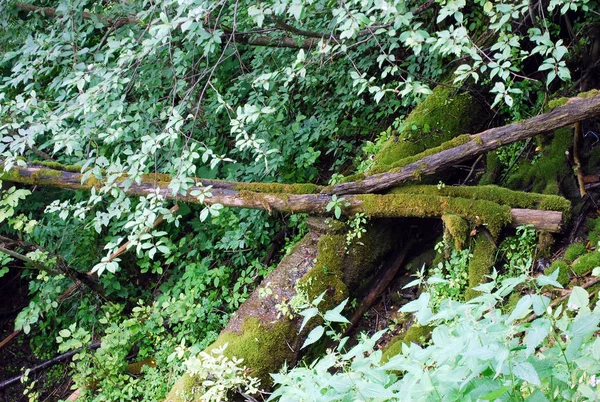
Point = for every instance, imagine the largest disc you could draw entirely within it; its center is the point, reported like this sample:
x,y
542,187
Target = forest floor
x,y
52,383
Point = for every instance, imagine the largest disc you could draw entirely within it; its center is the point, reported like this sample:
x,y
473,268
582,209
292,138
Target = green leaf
x,y
374,390
488,7
537,396
521,309
295,9
526,372
544,280
203,214
257,14
540,304
307,314
65,333
585,325
578,298
319,299
334,315
313,336
536,334
492,396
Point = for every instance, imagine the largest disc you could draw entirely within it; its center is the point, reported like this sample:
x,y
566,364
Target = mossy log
x,y
478,209
262,333
484,254
466,146
258,332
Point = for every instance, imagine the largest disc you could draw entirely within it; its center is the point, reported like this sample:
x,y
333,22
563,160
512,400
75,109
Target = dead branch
x,y
576,109
376,206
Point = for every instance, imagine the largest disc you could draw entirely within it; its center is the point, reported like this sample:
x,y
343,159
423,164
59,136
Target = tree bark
x,y
576,109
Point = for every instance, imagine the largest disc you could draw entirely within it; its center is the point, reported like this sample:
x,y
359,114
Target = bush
x,y
476,352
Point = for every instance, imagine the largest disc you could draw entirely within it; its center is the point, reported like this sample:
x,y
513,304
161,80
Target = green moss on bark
x,y
488,213
58,166
327,273
493,168
262,345
49,177
550,171
364,255
544,244
456,230
499,195
396,165
277,188
441,117
484,254
554,103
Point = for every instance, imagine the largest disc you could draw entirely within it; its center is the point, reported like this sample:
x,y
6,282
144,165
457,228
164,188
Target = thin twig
x,y
48,363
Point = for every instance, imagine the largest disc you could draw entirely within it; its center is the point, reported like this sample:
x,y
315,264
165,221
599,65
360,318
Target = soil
x,y
52,383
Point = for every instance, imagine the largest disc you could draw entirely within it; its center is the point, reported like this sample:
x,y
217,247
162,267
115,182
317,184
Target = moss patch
x,y
327,273
594,233
544,244
551,170
262,346
414,334
183,390
493,168
586,263
456,230
483,258
575,250
499,195
277,188
554,103
42,176
396,165
484,212
58,166
353,177
439,118
365,254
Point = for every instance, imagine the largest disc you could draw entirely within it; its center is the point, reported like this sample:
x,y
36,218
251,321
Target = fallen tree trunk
x,y
250,334
576,109
264,332
479,210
